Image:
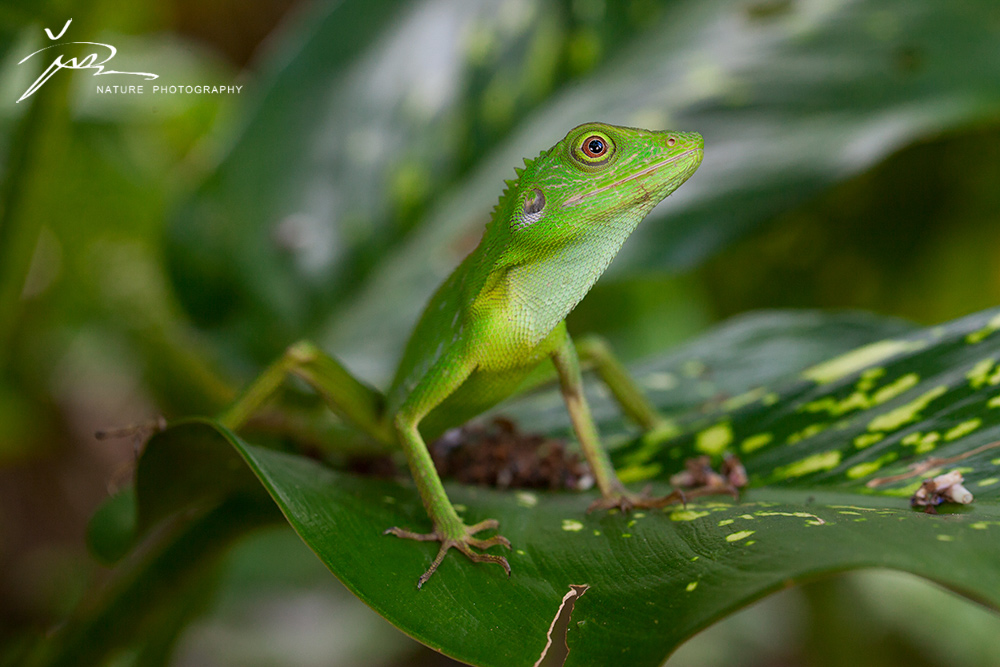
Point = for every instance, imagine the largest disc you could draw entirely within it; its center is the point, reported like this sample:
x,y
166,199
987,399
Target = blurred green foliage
x,y
154,251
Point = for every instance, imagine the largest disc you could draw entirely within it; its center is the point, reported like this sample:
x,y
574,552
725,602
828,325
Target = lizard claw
x,y
625,501
464,542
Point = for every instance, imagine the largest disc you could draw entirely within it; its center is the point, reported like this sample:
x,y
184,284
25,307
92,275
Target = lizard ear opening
x,y
535,203
532,212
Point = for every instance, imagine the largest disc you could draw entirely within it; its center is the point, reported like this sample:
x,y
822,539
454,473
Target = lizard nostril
x,y
671,141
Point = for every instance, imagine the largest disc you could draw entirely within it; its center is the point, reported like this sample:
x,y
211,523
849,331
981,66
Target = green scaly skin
x,y
502,312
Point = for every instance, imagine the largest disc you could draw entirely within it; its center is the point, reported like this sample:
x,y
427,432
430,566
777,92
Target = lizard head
x,y
574,206
599,174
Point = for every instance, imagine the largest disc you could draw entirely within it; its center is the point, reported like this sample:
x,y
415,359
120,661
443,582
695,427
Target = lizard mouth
x,y
576,199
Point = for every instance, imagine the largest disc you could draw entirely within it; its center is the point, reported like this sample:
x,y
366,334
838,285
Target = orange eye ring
x,y
594,147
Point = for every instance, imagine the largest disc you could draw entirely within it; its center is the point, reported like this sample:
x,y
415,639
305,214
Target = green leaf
x,y
165,484
655,578
311,235
111,530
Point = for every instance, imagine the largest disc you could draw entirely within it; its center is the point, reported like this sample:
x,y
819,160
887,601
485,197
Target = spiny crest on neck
x,y
510,190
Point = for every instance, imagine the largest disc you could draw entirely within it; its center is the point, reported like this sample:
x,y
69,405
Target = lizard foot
x,y
464,542
624,500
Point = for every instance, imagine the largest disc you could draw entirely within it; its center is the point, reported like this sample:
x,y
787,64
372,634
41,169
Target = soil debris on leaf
x,y
382,467
499,455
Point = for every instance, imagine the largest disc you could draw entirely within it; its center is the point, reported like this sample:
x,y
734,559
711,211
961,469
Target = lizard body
x,y
501,313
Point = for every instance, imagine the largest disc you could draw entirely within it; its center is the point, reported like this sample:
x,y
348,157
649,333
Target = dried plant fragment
x,y
699,478
945,488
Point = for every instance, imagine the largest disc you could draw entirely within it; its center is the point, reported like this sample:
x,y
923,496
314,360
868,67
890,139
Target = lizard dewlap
x,y
502,312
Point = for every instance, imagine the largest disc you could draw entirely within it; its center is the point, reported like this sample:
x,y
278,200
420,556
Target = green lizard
x,y
502,312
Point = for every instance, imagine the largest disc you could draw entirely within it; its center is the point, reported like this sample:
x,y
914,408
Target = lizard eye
x,y
593,149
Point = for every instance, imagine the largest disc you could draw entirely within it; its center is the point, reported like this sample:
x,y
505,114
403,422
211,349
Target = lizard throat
x,y
576,199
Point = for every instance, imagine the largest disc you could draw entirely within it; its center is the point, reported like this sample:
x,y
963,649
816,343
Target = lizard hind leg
x,y
345,395
614,495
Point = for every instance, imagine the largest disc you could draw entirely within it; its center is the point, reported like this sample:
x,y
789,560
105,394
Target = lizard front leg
x,y
449,529
365,407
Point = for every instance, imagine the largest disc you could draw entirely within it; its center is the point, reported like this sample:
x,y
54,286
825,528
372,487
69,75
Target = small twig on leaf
x,y
921,467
